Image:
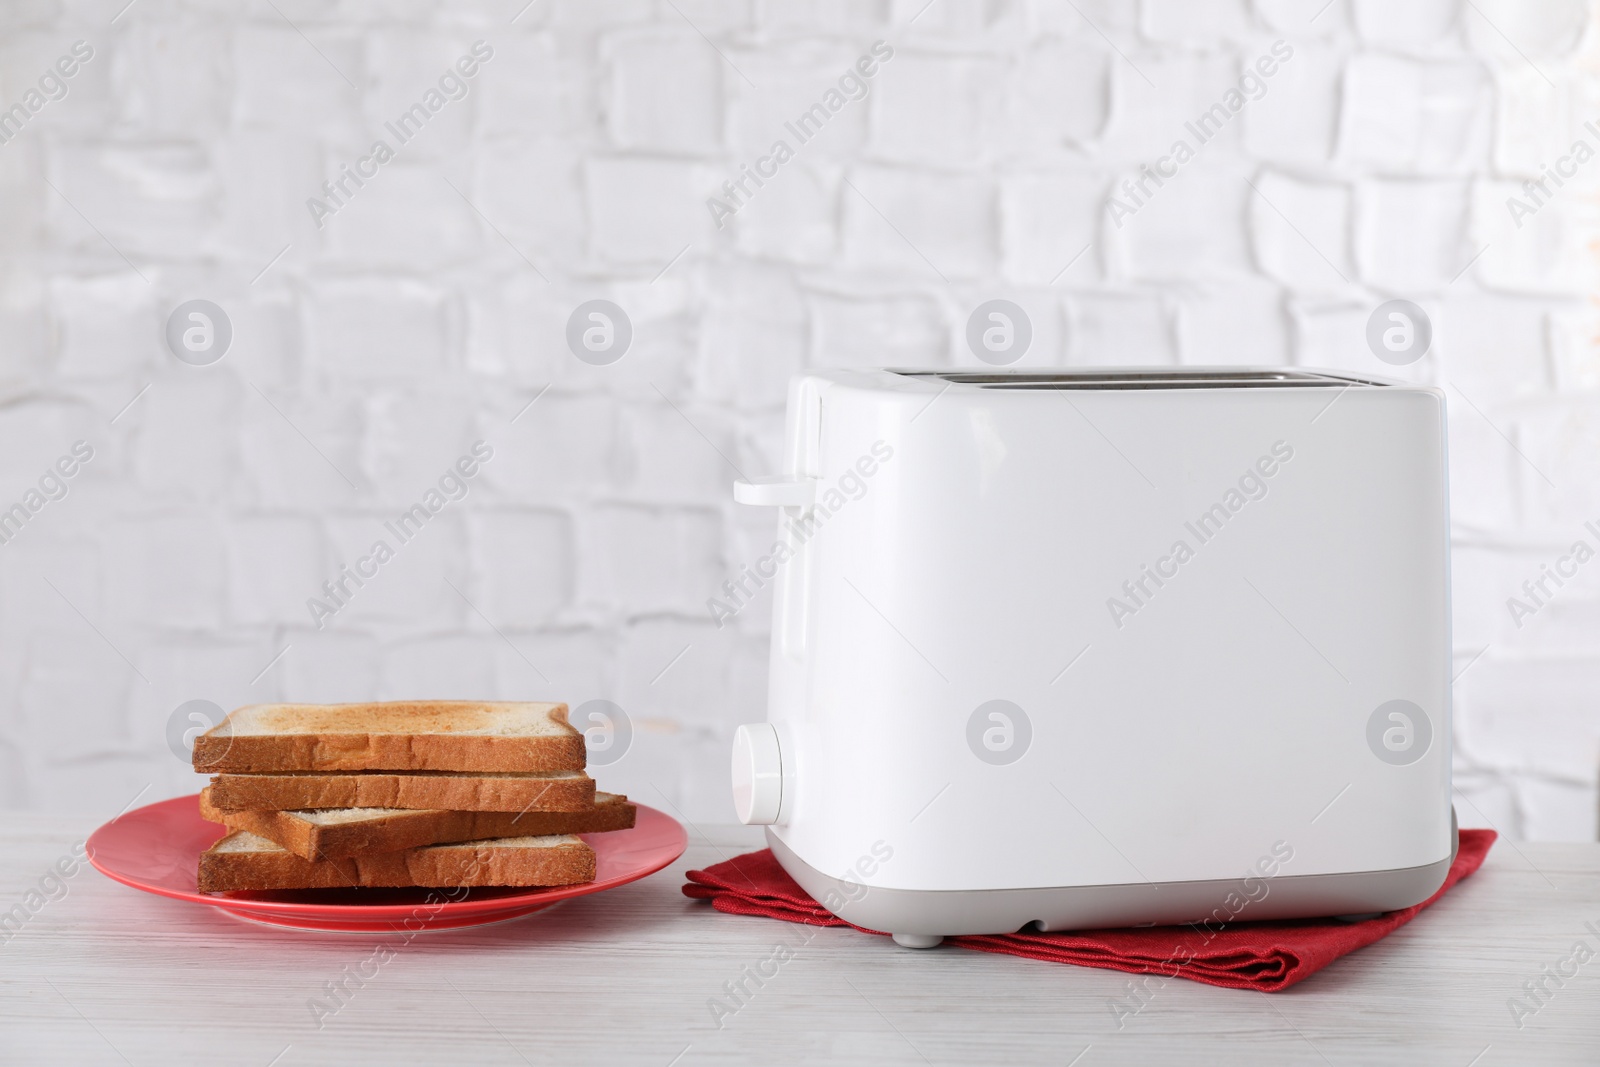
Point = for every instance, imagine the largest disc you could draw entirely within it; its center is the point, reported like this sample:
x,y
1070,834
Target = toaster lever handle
x,y
782,492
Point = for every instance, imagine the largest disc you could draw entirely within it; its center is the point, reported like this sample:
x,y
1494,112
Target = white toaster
x,y
1105,648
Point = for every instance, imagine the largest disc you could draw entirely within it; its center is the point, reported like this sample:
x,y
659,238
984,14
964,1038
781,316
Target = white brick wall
x,y
430,311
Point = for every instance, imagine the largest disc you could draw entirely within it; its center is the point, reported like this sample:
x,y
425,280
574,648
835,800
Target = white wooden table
x,y
109,975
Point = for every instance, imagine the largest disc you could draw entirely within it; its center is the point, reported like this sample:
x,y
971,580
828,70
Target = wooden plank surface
x,y
106,974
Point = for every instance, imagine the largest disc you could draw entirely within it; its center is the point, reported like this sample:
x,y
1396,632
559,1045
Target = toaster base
x,y
918,915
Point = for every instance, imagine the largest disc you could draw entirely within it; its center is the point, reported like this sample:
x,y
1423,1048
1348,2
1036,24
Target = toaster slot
x,y
1136,378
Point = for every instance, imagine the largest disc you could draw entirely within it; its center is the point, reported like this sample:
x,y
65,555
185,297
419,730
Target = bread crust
x,y
413,829
377,789
478,863
358,737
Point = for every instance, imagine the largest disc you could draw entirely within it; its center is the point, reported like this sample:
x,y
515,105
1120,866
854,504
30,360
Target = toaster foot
x,y
917,940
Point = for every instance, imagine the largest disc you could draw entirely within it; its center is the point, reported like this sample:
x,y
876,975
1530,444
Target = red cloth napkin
x,y
1268,956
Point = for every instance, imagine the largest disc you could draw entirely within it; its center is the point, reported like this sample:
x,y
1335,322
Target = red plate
x,y
157,849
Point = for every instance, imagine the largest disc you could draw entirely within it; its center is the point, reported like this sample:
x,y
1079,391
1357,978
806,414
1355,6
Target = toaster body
x,y
1106,648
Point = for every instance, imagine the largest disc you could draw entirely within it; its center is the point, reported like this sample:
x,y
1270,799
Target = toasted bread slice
x,y
244,861
505,791
416,735
340,832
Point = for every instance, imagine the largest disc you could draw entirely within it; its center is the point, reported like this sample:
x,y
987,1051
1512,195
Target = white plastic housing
x,y
977,562
757,774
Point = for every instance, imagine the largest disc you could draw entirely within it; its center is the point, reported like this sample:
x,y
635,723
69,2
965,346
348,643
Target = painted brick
x,y
100,786
571,665
30,14
786,81
752,339
414,588
23,325
873,332
1049,218
644,211
1413,25
1042,306
1089,19
71,706
1576,361
282,83
1157,95
530,189
412,441
1487,801
1120,329
682,455
1061,95
37,432
169,568
298,450
962,20
1410,234
1518,714
542,90
848,16
1531,242
1520,31
675,669
589,14
403,65
562,447
181,668
666,91
112,191
1472,335
441,227
1300,232
1483,471
183,449
525,560
1195,21
922,224
718,16
371,327
1536,122
516,335
1191,228
93,92
936,109
1296,119
1331,333
1403,115
1244,322
1558,619
649,559
268,332
453,667
67,559
420,318
265,178
793,218
274,563
1558,437
109,324
333,666
1557,810
162,95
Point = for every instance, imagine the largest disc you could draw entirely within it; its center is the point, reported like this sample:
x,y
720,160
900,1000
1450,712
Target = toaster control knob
x,y
757,774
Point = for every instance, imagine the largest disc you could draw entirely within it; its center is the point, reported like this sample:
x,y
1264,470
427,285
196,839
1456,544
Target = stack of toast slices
x,y
439,794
